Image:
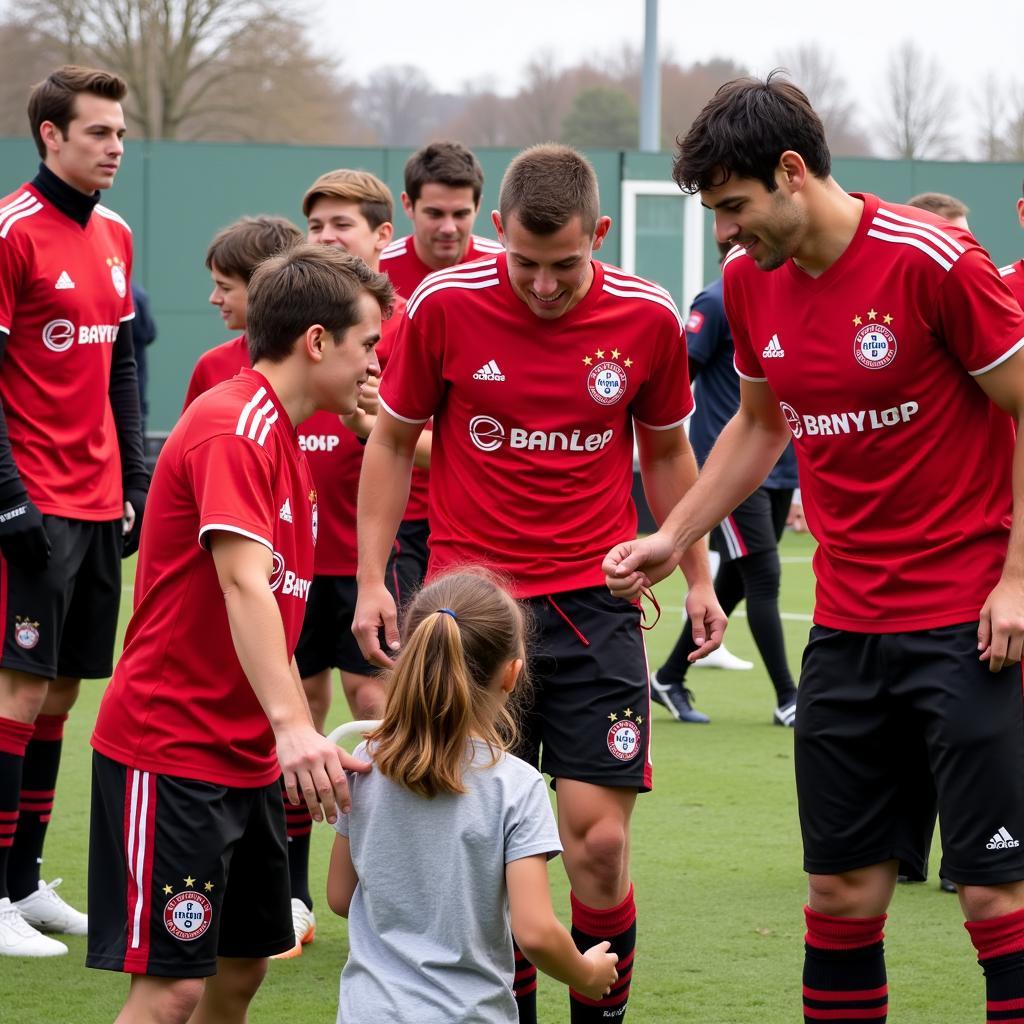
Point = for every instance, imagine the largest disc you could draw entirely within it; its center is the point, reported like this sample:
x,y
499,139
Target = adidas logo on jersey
x,y
773,350
64,281
286,511
1002,840
489,371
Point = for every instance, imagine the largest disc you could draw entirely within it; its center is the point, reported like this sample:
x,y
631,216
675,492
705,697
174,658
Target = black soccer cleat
x,y
677,700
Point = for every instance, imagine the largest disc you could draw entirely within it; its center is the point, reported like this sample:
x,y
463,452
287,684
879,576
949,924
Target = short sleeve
x,y
705,327
413,386
342,824
745,359
12,270
980,321
664,400
530,827
232,480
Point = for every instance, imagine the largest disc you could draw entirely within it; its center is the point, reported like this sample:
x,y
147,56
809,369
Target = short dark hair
x,y
366,190
241,247
53,99
940,204
744,129
307,285
546,186
443,163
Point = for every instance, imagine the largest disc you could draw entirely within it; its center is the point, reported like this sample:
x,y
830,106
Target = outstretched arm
x,y
743,456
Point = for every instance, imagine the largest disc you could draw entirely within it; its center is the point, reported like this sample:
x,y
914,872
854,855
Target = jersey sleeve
x,y
12,271
232,481
745,359
665,399
413,385
980,321
530,827
704,328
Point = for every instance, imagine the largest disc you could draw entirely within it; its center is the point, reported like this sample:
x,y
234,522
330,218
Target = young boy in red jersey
x,y
540,365
73,479
205,712
882,340
232,258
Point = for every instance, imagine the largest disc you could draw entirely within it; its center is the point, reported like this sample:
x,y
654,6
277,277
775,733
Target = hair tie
x,y
448,611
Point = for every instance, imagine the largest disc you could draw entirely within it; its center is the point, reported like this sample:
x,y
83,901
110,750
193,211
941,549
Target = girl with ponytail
x,y
447,842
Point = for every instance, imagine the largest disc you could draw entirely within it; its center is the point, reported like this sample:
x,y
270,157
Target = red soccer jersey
x,y
904,462
216,365
63,296
406,270
1013,275
532,466
179,702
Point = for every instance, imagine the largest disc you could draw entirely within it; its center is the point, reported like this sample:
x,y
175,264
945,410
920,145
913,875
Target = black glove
x,y
23,539
137,496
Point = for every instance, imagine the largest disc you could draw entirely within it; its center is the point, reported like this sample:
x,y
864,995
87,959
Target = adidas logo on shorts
x,y
1002,840
489,371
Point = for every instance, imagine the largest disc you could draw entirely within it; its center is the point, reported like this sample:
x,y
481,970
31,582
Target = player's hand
x,y
131,524
602,970
1001,626
707,620
368,400
359,422
375,608
635,564
314,771
23,540
795,517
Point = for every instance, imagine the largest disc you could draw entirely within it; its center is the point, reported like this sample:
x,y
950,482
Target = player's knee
x,y
853,894
240,981
175,1002
604,851
21,696
984,902
61,695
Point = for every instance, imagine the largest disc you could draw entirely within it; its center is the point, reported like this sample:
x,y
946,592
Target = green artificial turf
x,y
716,864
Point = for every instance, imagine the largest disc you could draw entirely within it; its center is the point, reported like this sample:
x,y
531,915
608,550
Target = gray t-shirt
x,y
428,928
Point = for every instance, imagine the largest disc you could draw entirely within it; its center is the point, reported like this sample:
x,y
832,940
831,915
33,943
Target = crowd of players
x,y
518,375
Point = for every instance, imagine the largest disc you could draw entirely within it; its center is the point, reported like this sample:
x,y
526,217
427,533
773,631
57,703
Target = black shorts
x,y
181,872
891,726
63,621
755,525
408,563
590,715
326,640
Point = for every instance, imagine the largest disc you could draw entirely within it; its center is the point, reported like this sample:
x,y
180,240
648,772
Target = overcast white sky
x,y
458,40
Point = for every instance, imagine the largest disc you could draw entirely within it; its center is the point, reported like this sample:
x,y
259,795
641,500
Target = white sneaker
x,y
305,930
19,938
46,911
722,658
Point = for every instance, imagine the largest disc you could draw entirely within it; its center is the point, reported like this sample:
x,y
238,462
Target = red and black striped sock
x,y
844,970
616,925
38,783
1000,945
524,986
14,737
299,825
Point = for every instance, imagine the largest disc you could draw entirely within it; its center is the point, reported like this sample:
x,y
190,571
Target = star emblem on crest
x,y
857,321
189,881
600,353
168,890
627,363
208,886
886,319
613,717
872,314
587,361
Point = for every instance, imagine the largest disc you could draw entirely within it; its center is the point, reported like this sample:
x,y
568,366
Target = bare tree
x,y
399,104
920,106
482,121
815,72
199,68
1012,147
990,104
26,57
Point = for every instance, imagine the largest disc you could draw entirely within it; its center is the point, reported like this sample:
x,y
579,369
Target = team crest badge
x,y
315,514
624,740
874,345
26,632
607,379
117,275
188,914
